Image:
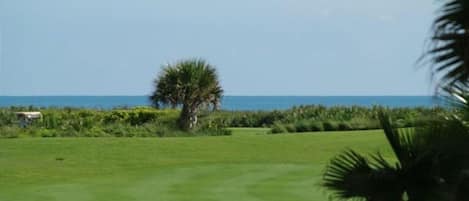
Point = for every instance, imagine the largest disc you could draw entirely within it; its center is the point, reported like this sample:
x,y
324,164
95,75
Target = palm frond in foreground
x,y
432,164
449,52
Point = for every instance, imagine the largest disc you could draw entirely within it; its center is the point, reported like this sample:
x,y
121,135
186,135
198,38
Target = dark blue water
x,y
228,102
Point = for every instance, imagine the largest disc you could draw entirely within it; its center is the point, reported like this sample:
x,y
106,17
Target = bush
x,y
316,126
290,128
278,128
162,131
149,122
96,132
330,126
10,132
302,126
47,133
344,126
213,132
318,113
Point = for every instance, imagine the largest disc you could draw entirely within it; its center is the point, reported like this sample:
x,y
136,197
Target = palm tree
x,y
432,160
432,164
192,84
449,52
167,93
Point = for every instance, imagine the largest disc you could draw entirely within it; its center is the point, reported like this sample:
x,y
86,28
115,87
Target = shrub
x,y
302,126
47,133
278,128
344,126
316,126
96,132
148,122
213,132
321,113
330,126
10,132
7,117
290,128
161,131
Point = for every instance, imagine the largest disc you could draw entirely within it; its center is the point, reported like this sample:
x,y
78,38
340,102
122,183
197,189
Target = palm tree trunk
x,y
188,118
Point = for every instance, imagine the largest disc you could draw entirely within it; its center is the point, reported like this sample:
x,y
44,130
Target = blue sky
x,y
260,47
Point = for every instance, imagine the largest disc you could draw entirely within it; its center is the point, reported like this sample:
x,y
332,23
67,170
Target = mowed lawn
x,y
248,166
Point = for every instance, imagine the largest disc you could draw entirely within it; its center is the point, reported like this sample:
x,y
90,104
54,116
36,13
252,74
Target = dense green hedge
x,y
75,122
321,118
148,122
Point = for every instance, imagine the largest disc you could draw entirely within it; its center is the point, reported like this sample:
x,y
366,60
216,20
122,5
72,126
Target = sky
x,y
260,47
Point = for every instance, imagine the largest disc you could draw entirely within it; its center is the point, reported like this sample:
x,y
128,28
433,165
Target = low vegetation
x,y
150,122
75,122
320,118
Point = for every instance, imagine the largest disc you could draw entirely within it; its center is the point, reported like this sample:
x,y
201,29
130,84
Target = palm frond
x,y
449,51
350,175
457,96
395,141
192,84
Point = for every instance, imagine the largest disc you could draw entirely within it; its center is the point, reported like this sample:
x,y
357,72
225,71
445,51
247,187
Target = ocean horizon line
x,y
225,95
227,102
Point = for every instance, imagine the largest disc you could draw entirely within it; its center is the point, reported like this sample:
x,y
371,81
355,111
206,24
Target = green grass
x,y
249,131
248,166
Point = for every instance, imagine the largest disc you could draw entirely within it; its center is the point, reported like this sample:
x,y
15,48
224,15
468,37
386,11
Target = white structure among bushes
x,y
27,118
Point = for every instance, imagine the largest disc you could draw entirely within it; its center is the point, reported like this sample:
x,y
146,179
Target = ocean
x,y
228,102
